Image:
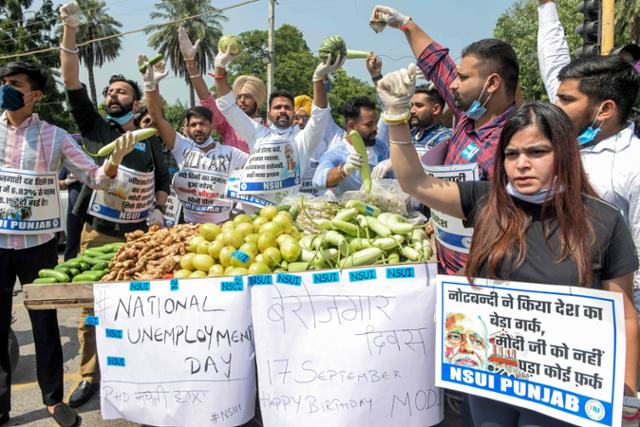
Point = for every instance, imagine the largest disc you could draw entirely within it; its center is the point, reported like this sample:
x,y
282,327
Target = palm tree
x,y
97,23
206,27
627,21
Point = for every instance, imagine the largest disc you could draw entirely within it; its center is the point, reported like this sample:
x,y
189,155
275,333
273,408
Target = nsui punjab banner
x,y
557,350
347,348
176,353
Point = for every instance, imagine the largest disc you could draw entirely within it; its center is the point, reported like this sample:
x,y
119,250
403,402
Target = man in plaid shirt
x,y
481,94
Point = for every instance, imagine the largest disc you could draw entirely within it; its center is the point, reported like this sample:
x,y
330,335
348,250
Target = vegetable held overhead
x,y
335,46
229,43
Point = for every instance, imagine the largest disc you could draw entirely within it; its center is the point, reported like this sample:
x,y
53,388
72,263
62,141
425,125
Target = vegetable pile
x,y
90,266
150,255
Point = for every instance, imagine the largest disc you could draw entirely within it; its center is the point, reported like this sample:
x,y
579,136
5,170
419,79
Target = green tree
x,y
96,23
519,27
627,22
23,30
344,87
207,28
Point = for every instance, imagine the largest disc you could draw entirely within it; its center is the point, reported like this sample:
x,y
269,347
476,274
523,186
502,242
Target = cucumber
x,y
90,260
55,274
43,280
102,265
93,252
106,256
83,266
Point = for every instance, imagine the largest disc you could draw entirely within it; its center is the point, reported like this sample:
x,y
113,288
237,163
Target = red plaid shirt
x,y
466,145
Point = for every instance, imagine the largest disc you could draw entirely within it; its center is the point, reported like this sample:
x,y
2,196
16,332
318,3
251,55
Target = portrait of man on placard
x,y
465,341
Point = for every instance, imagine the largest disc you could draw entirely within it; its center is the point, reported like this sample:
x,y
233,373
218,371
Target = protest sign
x,y
449,230
128,200
176,353
201,194
558,350
29,202
347,348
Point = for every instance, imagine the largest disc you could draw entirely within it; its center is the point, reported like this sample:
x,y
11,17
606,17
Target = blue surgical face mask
x,y
11,99
538,198
122,119
477,110
590,133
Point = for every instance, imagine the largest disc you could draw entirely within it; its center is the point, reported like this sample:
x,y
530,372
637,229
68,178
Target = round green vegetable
x,y
229,43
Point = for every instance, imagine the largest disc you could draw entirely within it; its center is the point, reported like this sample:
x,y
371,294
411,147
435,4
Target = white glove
x,y
124,145
353,163
395,90
224,58
327,67
152,75
381,169
71,14
156,218
70,179
384,15
188,49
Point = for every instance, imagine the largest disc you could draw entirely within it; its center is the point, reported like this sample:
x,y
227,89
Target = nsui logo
x,y
594,409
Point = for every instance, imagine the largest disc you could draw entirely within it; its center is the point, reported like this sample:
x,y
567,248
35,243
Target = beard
x,y
200,137
250,110
115,109
282,121
369,140
423,123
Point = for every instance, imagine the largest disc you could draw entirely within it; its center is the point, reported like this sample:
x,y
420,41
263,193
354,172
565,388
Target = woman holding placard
x,y
539,221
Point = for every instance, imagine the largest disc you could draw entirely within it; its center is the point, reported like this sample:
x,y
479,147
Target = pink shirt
x,y
36,145
220,124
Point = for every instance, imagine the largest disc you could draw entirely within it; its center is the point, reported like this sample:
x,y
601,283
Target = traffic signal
x,y
590,29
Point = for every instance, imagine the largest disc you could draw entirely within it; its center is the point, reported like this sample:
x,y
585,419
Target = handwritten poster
x,y
557,350
347,348
176,353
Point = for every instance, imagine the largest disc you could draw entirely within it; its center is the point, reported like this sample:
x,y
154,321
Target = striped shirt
x,y
467,144
36,145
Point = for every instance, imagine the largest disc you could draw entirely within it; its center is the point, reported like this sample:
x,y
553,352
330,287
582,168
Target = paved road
x,y
27,407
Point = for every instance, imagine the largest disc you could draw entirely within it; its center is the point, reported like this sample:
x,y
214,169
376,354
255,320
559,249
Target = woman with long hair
x,y
539,221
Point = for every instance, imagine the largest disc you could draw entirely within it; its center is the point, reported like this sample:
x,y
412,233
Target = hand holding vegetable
x,y
327,67
187,48
228,49
151,75
395,91
374,65
381,170
353,163
383,15
71,14
124,145
156,218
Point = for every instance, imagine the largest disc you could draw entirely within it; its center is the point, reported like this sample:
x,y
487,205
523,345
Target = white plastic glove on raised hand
x,y
124,145
395,90
381,170
384,15
152,75
156,217
327,67
188,49
353,163
224,58
71,14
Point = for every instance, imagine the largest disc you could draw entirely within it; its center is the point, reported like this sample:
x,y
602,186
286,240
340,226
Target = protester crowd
x,y
557,199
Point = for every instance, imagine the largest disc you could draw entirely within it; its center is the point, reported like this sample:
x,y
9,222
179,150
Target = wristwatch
x,y
161,208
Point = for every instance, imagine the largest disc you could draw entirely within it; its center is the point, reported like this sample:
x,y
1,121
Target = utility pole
x,y
271,48
608,21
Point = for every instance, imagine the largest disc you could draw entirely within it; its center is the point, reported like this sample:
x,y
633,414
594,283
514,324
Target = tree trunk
x,y
92,80
192,98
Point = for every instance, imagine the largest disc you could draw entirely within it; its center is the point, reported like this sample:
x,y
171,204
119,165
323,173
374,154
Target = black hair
x,y
137,94
500,57
281,93
199,111
35,74
431,93
605,77
351,108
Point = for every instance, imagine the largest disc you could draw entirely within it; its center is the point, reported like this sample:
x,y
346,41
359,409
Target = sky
x,y
453,23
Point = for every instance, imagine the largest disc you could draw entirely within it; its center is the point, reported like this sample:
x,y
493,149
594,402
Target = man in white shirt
x,y
597,93
280,153
204,164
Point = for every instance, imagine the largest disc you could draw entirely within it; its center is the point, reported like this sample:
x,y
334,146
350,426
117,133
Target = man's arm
x,y
553,49
161,172
70,63
165,129
329,173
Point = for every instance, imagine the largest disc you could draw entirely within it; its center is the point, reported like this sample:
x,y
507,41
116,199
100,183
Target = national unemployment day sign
x,y
557,350
176,353
347,348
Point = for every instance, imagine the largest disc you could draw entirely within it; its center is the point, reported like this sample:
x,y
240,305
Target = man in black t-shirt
x,y
137,200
